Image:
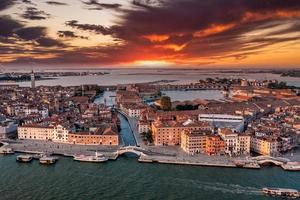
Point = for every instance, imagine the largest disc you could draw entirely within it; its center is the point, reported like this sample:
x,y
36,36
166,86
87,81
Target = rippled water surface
x,y
128,179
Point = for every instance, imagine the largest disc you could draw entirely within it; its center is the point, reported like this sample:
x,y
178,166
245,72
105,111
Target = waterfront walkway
x,y
164,155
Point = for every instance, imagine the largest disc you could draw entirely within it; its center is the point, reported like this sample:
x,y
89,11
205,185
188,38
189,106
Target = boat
x,y
37,156
282,192
24,158
97,158
48,160
6,151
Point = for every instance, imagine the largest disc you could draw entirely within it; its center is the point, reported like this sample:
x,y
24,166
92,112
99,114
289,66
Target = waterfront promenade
x,y
151,154
37,146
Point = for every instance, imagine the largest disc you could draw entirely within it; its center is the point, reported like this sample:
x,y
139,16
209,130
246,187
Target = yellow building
x,y
264,146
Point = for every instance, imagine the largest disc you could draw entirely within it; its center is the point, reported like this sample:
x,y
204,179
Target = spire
x,y
32,77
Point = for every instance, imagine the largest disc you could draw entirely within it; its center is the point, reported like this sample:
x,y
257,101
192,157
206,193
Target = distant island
x,y
292,73
23,77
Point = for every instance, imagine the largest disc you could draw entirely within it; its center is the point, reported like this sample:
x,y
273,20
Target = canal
x,y
126,133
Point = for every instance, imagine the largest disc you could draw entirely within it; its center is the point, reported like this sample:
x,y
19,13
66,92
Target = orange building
x,y
108,136
214,145
169,132
193,142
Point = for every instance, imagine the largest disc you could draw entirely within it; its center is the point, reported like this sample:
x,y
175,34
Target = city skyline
x,y
150,33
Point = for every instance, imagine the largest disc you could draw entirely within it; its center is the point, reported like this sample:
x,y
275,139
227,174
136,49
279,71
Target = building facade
x,y
193,142
108,137
60,134
169,132
35,132
264,146
214,145
235,143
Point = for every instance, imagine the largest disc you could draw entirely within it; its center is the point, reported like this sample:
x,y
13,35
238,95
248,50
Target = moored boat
x,y
281,192
37,156
47,160
24,158
6,151
97,158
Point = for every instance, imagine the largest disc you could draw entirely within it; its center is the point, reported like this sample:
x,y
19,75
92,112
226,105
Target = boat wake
x,y
220,187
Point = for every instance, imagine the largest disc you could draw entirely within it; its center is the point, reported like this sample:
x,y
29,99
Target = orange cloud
x,y
214,29
255,16
173,47
156,38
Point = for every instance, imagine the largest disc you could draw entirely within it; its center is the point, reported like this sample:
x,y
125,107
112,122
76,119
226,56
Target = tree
x,y
280,85
148,136
165,103
186,107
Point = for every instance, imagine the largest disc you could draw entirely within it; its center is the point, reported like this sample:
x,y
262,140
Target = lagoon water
x,y
127,179
108,97
179,76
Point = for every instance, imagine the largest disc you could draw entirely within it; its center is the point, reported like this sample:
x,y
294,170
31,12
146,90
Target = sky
x,y
150,33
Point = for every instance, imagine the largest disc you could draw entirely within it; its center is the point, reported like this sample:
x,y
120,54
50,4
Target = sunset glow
x,y
259,33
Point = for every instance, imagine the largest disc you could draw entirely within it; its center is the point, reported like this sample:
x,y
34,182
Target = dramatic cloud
x,y
189,32
49,42
4,4
56,3
16,38
148,4
89,27
99,6
8,26
33,13
31,33
69,34
28,2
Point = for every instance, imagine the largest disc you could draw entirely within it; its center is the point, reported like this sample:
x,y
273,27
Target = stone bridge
x,y
261,160
131,149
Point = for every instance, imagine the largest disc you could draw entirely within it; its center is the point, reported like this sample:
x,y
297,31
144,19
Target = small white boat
x,y
48,160
24,158
97,158
6,151
281,192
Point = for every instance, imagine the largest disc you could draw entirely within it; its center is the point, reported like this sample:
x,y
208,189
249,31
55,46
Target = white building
x,y
60,134
235,143
143,127
132,110
43,112
224,121
39,132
